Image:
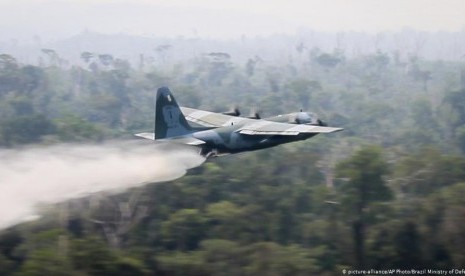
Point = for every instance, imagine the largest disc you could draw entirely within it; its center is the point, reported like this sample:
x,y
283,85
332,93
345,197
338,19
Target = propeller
x,y
254,114
235,112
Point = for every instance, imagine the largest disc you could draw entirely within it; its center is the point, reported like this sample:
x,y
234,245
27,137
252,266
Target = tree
x,y
224,217
364,172
223,257
453,113
269,258
86,56
54,59
31,79
329,60
46,262
73,128
184,229
426,171
9,74
25,129
8,62
182,264
220,66
452,231
106,59
302,90
407,245
6,265
91,255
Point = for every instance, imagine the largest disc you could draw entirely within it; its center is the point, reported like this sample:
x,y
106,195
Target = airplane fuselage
x,y
227,140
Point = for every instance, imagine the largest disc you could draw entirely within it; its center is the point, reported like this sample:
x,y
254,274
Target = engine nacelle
x,y
303,118
308,118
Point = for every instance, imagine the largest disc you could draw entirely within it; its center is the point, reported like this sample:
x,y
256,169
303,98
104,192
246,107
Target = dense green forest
x,y
387,192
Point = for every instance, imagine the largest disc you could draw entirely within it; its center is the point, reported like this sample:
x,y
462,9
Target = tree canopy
x,y
387,192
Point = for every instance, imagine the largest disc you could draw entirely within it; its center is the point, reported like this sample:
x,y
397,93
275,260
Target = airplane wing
x,y
263,127
146,135
251,126
210,119
182,140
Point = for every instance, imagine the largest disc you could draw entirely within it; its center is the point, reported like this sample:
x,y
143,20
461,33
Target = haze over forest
x,y
431,29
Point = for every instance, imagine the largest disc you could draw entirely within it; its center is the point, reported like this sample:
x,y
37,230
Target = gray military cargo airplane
x,y
218,134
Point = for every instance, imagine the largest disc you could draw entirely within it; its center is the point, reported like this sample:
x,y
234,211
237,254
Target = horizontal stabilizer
x,y
188,141
181,140
146,135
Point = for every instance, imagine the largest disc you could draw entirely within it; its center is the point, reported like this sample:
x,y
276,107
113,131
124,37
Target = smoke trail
x,y
57,173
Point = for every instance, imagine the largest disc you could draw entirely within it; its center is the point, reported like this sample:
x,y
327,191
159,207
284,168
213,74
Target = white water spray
x,y
57,173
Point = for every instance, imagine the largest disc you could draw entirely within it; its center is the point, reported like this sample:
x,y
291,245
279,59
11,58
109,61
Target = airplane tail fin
x,y
169,120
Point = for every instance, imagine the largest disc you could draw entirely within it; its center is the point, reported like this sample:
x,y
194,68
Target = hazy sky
x,y
223,19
